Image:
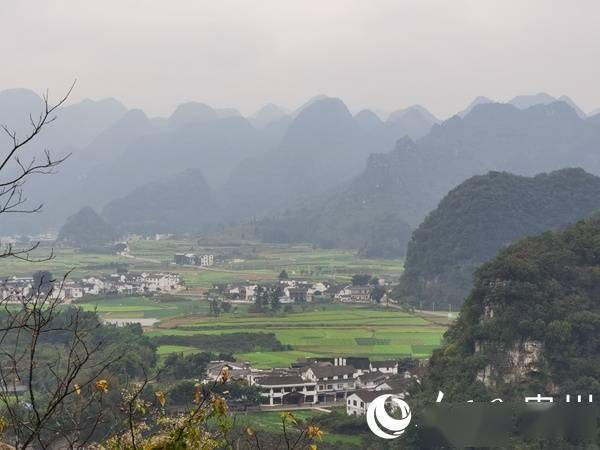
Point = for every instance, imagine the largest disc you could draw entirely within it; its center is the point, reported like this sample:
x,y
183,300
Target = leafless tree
x,y
49,366
15,172
49,371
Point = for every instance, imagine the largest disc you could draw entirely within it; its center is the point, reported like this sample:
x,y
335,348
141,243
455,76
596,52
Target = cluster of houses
x,y
15,289
191,259
295,291
352,381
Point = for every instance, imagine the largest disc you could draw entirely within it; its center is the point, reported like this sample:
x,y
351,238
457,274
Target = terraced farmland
x,y
347,331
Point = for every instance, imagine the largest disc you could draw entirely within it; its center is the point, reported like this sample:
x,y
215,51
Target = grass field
x,y
164,350
143,307
345,330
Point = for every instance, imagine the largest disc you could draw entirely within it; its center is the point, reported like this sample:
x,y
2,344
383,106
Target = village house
x,y
387,367
358,402
354,294
297,294
164,282
312,381
398,385
191,259
235,370
370,380
333,382
286,390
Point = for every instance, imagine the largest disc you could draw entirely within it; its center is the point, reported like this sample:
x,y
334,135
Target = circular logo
x,y
381,423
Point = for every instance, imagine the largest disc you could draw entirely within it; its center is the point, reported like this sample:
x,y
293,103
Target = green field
x,y
346,330
319,330
167,349
252,261
143,307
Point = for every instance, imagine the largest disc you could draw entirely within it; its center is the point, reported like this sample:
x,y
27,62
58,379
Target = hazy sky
x,y
372,53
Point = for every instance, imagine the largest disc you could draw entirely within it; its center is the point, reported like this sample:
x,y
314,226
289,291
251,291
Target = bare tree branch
x,y
12,199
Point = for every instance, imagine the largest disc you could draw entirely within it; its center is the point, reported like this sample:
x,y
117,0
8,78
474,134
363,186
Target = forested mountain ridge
x,y
480,217
86,228
540,293
530,325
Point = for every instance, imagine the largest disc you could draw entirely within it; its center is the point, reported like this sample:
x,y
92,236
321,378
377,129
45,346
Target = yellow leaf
x,y
289,416
160,396
219,406
102,386
314,432
77,389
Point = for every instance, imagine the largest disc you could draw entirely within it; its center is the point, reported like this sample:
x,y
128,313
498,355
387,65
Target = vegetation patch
x,y
372,341
230,342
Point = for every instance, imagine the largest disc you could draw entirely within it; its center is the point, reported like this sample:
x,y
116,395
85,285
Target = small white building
x,y
206,260
358,402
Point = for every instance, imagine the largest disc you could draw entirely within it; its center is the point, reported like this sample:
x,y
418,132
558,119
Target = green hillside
x,y
479,218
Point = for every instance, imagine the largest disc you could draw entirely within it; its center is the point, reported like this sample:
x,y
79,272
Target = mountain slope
x,y
530,326
409,181
530,323
266,115
480,217
86,228
179,203
493,136
323,147
477,101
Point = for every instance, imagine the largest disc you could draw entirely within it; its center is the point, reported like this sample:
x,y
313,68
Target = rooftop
x,y
321,371
283,380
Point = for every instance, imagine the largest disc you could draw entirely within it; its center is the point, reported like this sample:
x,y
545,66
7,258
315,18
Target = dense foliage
x,y
226,342
480,217
531,324
86,228
342,220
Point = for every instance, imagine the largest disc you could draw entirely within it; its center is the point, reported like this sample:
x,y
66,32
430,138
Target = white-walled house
x,y
358,402
286,390
333,382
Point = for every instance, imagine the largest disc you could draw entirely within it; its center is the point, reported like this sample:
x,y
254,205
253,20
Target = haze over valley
x,y
333,224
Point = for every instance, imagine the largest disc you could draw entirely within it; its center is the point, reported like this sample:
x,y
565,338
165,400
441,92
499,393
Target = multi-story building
x,y
333,382
286,390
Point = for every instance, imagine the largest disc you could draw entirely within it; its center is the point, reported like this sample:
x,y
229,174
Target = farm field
x,y
247,261
348,330
143,307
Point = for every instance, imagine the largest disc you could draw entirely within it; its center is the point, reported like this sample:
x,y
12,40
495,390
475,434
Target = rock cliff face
x,y
514,364
531,323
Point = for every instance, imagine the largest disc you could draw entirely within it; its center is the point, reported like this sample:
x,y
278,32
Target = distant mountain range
x,y
405,184
320,159
527,101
